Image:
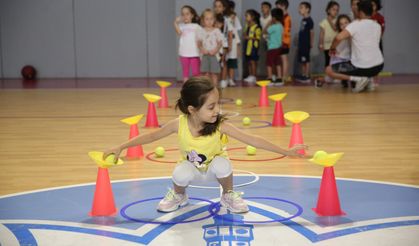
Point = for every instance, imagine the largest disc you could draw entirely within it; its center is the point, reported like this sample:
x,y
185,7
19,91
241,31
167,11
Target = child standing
x,y
210,41
274,30
252,37
188,48
286,39
305,41
265,19
202,134
328,30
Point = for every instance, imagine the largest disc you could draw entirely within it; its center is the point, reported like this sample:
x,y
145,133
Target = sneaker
x,y
304,79
253,80
234,202
278,82
248,79
223,84
360,85
318,83
344,83
273,78
172,201
231,83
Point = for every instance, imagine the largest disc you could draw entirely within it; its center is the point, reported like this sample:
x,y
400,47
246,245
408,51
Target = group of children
x,y
211,44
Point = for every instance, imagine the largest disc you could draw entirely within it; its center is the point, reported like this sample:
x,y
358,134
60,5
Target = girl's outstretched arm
x,y
259,142
176,25
169,128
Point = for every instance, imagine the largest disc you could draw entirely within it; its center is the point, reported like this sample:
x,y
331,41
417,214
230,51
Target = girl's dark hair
x,y
255,16
220,19
365,6
378,3
195,16
194,93
338,21
278,15
227,10
330,5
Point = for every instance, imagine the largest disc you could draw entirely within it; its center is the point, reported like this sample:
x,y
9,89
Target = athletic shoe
x,y
231,83
344,83
360,85
234,202
248,79
304,79
223,84
278,82
172,201
318,83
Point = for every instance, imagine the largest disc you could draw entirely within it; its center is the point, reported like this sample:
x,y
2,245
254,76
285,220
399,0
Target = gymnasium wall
x,y
135,38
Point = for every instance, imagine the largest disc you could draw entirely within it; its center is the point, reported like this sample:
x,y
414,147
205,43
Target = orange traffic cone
x,y
296,117
135,152
151,120
103,202
328,201
278,118
163,103
263,96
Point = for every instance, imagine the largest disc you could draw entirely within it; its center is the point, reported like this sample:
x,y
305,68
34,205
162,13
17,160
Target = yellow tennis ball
x,y
246,121
159,151
110,159
250,150
320,154
239,102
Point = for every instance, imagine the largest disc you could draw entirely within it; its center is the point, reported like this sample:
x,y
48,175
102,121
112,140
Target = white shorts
x,y
186,173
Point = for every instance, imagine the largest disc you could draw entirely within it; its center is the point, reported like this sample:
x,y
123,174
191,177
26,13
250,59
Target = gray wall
x,y
135,38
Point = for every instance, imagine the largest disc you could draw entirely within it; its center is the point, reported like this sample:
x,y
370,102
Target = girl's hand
x,y
332,52
293,152
114,151
321,47
178,19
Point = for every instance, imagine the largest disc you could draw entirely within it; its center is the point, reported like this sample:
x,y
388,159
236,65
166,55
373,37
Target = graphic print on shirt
x,y
196,159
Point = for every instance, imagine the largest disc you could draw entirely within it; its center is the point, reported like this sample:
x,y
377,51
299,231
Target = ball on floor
x,y
159,151
246,121
250,150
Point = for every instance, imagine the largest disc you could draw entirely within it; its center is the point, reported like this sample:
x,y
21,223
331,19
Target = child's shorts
x,y
273,57
210,64
303,55
254,56
284,50
349,69
232,63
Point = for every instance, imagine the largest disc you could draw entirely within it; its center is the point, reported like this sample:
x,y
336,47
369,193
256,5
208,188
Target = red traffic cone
x,y
296,117
278,119
163,103
328,201
151,120
263,96
296,137
134,152
103,202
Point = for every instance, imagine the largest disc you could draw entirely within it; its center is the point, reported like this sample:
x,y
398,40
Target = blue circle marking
x,y
212,212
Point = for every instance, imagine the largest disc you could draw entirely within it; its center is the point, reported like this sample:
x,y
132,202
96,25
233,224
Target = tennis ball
x,y
110,159
159,151
239,102
250,150
320,154
246,121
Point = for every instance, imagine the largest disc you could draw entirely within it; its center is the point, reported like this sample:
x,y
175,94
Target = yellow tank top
x,y
200,150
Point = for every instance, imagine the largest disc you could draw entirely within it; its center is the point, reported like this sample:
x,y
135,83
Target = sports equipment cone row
x,y
135,152
151,120
163,103
296,117
103,201
278,118
263,97
328,203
